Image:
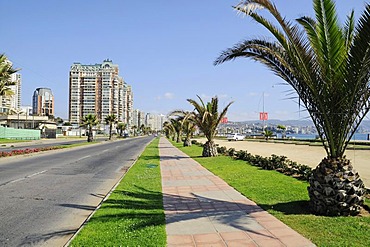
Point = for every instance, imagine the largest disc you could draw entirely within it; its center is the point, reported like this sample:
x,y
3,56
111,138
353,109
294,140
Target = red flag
x,y
263,115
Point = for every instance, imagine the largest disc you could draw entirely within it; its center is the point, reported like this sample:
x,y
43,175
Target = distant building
x,y
43,102
138,118
155,122
99,90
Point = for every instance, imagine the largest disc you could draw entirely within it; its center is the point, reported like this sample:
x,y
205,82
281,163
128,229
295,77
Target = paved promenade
x,y
202,210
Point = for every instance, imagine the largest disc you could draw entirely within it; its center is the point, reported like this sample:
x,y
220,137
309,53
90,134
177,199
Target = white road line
x,y
35,174
87,156
28,176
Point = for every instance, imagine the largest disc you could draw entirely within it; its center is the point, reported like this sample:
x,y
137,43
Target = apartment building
x,y
43,102
12,102
98,89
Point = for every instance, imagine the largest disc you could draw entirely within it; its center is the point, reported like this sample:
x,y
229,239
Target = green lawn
x,y
133,214
287,199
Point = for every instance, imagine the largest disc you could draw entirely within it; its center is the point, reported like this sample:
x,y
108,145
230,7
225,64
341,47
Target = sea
x,y
356,136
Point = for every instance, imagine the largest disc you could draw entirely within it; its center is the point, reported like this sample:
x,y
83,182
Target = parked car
x,y
235,137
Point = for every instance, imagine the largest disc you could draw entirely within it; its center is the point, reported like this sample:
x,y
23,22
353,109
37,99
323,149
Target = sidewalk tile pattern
x,y
202,210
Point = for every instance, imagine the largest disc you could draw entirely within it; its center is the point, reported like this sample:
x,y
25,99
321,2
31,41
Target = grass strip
x,y
133,214
287,199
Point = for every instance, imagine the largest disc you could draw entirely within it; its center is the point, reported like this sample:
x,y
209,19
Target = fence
x,y
20,134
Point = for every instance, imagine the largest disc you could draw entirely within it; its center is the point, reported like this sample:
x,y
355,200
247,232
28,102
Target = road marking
x,y
20,179
35,174
87,156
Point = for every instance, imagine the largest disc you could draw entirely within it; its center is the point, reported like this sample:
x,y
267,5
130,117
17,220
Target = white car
x,y
235,137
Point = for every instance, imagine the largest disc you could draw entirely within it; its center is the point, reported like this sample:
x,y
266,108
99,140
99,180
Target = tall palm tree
x,y
110,119
89,121
328,65
6,70
207,118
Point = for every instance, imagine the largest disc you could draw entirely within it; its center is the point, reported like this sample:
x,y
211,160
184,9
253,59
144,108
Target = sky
x,y
165,50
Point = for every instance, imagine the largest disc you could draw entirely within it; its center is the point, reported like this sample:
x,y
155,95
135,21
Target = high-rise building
x,y
154,121
99,90
43,102
12,102
138,118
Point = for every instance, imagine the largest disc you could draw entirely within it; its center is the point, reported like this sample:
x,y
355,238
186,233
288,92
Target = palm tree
x,y
329,68
168,129
207,118
176,119
110,119
268,134
121,127
188,125
89,121
283,129
6,70
142,129
134,127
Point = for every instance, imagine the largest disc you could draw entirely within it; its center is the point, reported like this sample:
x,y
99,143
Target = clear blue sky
x,y
164,48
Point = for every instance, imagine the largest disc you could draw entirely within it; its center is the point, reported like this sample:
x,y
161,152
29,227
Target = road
x,y
8,147
45,197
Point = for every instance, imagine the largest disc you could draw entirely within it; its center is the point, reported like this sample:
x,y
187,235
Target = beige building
x,y
98,89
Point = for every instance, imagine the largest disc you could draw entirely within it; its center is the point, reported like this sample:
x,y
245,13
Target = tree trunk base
x,y
336,188
187,143
209,149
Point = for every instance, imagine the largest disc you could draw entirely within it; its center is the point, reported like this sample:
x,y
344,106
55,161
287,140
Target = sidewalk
x,y
202,210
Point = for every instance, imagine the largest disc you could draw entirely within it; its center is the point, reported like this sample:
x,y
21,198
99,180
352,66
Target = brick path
x,y
202,210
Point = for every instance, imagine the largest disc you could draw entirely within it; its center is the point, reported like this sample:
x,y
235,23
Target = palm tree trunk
x,y
90,135
209,149
336,188
110,131
187,142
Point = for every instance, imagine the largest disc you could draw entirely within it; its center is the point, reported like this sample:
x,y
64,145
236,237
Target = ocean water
x,y
356,136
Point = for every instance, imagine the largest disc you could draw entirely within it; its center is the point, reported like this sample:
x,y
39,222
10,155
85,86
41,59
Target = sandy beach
x,y
303,154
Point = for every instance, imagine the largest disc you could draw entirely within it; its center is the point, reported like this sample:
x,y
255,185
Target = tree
x,y
328,67
142,129
168,129
282,128
268,134
121,127
207,118
110,119
134,127
176,123
89,121
188,125
6,71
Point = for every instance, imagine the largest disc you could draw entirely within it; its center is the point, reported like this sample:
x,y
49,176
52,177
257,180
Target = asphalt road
x,y
8,147
45,197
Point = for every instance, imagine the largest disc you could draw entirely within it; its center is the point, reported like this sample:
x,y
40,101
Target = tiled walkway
x,y
202,210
